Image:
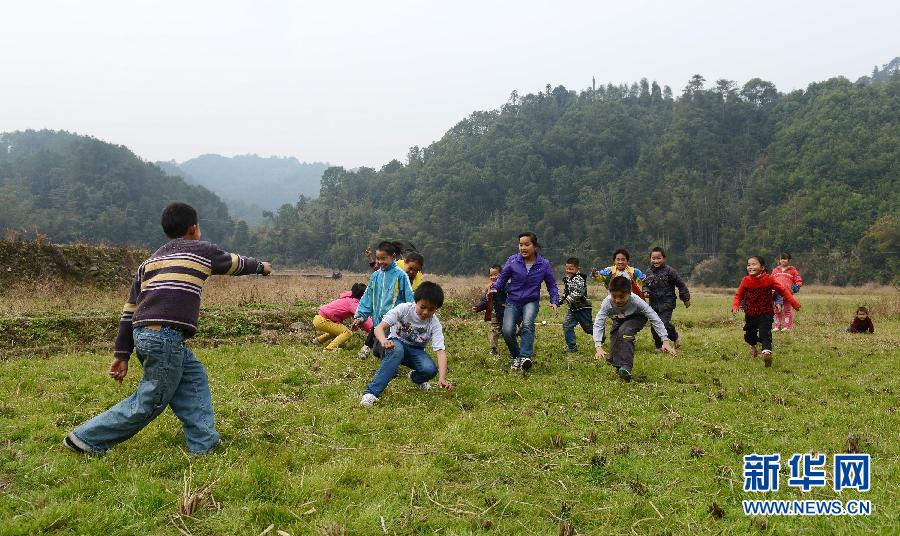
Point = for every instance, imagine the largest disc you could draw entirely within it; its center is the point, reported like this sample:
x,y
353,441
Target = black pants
x,y
758,329
666,316
621,337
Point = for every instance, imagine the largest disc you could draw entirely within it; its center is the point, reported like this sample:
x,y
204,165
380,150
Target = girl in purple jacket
x,y
522,277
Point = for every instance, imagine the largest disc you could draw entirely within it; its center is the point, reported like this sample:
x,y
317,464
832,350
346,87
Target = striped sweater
x,y
166,289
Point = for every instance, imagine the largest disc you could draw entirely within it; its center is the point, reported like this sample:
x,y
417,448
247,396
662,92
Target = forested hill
x,y
76,188
719,172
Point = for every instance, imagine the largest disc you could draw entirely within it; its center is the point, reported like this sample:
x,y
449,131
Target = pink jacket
x,y
341,309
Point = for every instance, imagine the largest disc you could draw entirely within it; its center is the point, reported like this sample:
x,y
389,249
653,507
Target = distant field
x,y
567,449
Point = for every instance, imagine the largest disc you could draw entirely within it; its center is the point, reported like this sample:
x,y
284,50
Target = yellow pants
x,y
331,330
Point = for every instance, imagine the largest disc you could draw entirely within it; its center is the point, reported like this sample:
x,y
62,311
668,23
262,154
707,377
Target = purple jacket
x,y
524,286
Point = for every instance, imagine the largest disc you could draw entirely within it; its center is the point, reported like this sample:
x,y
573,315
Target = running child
x,y
388,287
411,326
790,279
629,313
493,306
660,285
620,267
161,313
756,292
330,320
575,296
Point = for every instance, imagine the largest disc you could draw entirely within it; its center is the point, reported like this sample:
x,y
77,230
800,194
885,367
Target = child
x,y
388,287
789,278
332,315
629,313
621,267
161,313
660,285
493,306
757,287
575,295
862,323
411,325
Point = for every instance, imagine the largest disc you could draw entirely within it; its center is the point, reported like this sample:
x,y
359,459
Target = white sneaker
x,y
516,363
425,386
364,352
368,400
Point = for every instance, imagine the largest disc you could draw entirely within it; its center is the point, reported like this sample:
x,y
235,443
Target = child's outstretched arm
x,y
600,328
125,339
364,309
786,294
224,263
442,370
738,296
683,291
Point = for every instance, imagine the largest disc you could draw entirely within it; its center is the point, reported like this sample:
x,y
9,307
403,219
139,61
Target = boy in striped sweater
x,y
161,313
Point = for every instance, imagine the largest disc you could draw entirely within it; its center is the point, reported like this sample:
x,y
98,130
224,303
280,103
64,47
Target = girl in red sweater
x,y
789,278
756,288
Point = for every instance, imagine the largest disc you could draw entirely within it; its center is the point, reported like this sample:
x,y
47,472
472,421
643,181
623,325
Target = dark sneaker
x,y
678,342
625,374
526,364
570,349
753,351
494,351
767,358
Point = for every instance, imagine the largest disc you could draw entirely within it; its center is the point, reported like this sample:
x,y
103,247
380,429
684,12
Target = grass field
x,y
567,449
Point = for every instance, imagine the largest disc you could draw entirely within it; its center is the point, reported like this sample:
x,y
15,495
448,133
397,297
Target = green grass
x,y
500,454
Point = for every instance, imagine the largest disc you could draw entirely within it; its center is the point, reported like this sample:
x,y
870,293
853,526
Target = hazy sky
x,y
358,83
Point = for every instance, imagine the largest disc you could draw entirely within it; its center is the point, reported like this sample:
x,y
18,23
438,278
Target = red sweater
x,y
862,326
787,276
758,292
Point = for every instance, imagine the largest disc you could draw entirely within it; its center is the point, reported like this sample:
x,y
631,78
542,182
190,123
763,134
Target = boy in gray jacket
x,y
629,313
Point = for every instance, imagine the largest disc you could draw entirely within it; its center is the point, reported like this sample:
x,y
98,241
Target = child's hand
x,y
601,354
267,268
118,369
368,254
388,345
445,384
734,310
554,306
666,347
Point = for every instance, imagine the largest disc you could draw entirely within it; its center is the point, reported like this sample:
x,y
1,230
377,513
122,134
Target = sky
x,y
359,83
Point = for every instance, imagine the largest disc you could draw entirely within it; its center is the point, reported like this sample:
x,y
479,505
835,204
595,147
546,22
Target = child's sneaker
x,y
315,341
678,342
753,351
624,373
425,386
570,349
364,352
494,352
515,363
368,400
526,364
767,358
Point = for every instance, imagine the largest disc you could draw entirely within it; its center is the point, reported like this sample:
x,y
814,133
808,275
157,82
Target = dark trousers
x,y
758,329
578,317
666,316
621,336
372,342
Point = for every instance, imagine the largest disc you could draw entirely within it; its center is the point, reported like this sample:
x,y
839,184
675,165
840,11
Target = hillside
x,y
718,173
251,184
74,188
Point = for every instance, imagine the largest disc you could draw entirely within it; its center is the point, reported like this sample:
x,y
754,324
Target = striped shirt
x,y
166,289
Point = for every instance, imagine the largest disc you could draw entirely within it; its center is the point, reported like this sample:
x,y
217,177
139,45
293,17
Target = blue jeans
x,y
579,317
402,354
172,377
520,314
